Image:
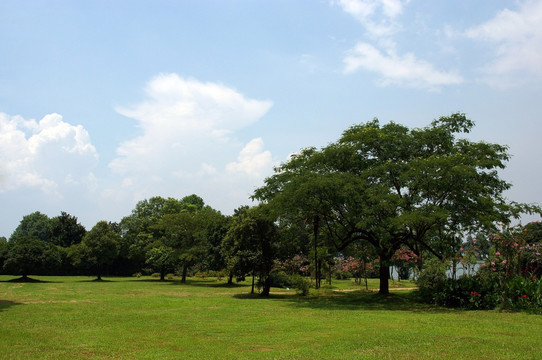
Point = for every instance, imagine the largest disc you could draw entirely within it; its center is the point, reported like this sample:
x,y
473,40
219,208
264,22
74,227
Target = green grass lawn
x,y
130,318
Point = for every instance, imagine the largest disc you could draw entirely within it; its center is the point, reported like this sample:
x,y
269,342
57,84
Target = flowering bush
x,y
345,268
405,260
299,264
509,278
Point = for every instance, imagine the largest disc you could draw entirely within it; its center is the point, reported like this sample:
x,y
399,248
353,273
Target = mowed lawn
x,y
130,318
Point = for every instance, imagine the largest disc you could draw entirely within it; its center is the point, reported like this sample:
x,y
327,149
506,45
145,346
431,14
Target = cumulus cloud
x,y
403,70
517,36
43,154
188,141
252,160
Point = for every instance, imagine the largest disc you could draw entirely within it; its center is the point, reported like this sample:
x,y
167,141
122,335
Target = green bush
x,y
280,279
524,294
155,275
301,284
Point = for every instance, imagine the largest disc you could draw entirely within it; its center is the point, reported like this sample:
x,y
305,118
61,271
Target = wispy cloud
x,y
377,16
402,70
517,36
188,139
380,20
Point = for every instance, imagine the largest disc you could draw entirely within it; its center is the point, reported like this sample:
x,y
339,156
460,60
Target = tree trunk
x,y
253,276
162,275
99,272
230,278
384,275
185,271
266,286
316,269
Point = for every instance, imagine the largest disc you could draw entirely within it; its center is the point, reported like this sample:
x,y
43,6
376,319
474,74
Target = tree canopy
x,y
393,187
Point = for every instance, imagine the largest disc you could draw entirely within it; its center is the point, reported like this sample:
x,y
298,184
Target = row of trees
x,y
381,192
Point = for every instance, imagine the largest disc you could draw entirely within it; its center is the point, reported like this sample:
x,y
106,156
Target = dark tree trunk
x,y
185,271
266,286
99,272
384,274
162,275
230,278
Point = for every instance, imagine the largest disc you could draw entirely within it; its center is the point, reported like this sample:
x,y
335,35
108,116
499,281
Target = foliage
x,y
250,245
394,187
188,233
98,249
28,255
66,231
509,278
301,284
298,264
162,258
36,225
4,247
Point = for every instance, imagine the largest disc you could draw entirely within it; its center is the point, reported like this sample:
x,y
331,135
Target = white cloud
x,y
405,70
187,141
517,36
380,20
43,154
252,160
377,23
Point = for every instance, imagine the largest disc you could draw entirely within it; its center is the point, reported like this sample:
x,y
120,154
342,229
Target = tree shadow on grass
x,y
29,280
95,281
354,300
6,304
216,284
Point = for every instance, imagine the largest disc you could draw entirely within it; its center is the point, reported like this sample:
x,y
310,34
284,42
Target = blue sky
x,y
105,103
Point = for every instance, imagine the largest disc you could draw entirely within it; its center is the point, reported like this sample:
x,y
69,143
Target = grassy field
x,y
129,318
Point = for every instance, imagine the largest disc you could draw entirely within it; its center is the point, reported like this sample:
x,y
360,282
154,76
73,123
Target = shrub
x,y
280,279
169,276
155,275
301,284
137,275
431,278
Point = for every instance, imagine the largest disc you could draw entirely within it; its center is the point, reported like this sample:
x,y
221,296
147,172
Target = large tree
x,y
34,225
391,187
29,255
98,249
188,232
66,230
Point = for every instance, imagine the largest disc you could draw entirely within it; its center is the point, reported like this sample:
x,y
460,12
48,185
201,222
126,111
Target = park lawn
x,y
131,318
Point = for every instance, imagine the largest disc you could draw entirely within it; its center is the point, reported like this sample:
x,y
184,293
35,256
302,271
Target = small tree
x,y
98,249
162,259
250,245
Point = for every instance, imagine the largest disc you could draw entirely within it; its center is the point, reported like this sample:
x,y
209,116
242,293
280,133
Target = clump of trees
x,y
382,195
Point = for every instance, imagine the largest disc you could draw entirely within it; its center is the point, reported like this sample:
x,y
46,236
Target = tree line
x,y
381,195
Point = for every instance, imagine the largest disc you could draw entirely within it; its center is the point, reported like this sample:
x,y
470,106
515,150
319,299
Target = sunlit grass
x,y
130,318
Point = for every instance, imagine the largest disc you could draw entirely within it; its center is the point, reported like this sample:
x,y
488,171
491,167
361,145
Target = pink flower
x,y
492,263
504,261
498,253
